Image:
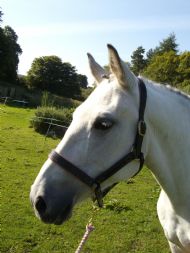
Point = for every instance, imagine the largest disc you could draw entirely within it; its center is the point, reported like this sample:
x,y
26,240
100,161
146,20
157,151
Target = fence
x,y
50,122
5,100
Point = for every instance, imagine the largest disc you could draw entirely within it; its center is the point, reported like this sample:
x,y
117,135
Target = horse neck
x,y
168,124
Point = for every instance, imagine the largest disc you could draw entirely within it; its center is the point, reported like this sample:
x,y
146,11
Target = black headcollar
x,y
135,154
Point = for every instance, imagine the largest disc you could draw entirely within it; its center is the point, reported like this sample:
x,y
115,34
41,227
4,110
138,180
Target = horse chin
x,y
64,216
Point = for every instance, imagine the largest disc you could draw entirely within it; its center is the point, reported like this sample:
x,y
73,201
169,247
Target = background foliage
x,y
164,64
9,53
47,73
51,74
53,119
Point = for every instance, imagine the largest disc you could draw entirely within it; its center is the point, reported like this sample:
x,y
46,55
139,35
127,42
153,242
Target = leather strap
x,y
136,153
72,169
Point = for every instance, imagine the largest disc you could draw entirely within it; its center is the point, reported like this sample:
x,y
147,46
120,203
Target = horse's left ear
x,y
119,68
97,71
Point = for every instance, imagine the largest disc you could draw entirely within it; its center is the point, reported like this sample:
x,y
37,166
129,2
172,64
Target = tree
x,y
51,74
184,66
9,52
150,53
163,68
12,54
2,54
70,83
82,81
138,62
45,73
2,45
166,45
1,14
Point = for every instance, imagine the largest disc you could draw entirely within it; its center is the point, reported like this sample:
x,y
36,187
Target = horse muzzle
x,y
54,210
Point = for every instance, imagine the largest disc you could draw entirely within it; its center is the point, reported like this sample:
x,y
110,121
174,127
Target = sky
x,y
71,28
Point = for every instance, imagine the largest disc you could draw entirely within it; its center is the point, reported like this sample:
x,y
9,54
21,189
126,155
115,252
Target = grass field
x,y
128,223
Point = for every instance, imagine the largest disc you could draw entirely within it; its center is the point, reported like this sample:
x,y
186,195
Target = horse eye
x,y
103,124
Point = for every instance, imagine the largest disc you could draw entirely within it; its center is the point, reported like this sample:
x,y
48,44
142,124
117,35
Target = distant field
x,y
128,223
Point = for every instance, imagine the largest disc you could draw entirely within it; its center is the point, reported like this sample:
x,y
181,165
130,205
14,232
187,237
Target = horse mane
x,y
177,91
168,88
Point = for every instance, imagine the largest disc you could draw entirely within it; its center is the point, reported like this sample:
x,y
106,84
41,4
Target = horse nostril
x,y
40,205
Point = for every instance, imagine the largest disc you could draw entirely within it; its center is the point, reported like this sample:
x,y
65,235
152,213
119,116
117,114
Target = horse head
x,y
102,131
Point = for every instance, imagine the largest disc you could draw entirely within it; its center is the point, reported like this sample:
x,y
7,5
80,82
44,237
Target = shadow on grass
x,y
116,206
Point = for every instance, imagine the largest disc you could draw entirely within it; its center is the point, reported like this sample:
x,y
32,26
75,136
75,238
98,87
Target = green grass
x,y
128,223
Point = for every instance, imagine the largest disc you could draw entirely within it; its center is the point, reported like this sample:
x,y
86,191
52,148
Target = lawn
x,y
127,223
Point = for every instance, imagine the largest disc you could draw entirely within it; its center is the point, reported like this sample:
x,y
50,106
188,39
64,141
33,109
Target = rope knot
x,y
89,229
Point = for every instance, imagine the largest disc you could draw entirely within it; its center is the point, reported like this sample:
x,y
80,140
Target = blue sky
x,y
70,29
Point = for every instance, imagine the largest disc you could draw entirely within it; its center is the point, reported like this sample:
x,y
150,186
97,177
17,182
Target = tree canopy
x,y
1,14
46,73
163,63
51,74
184,66
163,68
82,81
166,45
138,61
9,53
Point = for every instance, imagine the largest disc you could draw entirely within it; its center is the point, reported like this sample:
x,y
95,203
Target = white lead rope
x,y
89,229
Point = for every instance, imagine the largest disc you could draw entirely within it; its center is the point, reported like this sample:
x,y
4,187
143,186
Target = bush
x,y
63,101
50,120
184,86
85,93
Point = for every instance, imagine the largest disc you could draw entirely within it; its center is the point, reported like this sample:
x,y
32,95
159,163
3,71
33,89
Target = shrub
x,y
184,86
52,120
45,100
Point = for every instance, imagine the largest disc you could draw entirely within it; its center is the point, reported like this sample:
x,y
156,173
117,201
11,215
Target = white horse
x,y
103,130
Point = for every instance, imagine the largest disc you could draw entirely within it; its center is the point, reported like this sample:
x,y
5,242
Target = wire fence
x,y
50,122
6,100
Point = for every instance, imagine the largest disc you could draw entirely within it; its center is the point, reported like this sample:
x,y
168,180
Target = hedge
x,y
50,120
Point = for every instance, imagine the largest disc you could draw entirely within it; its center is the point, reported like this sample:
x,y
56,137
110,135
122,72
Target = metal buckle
x,y
141,128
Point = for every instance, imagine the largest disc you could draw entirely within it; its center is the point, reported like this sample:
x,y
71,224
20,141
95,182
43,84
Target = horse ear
x,y
97,71
119,68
